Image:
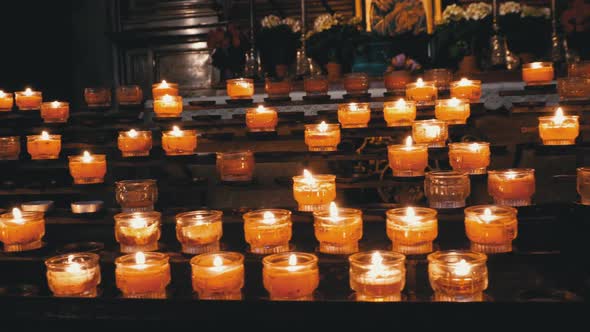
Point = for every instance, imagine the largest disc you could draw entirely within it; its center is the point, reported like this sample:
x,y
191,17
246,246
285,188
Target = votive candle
x,y
399,113
322,137
421,92
338,230
458,276
261,119
314,192
168,106
218,275
537,73
432,132
377,276
470,157
73,275
512,187
240,88
268,231
87,168
199,231
44,146
290,276
559,129
6,101
28,100
143,275
412,229
452,111
21,231
55,111
466,89
354,115
491,228
135,143
137,231
178,142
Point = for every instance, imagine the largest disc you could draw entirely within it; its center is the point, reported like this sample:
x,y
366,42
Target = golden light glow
x,y
292,260
28,92
2,94
55,104
72,266
333,210
474,147
138,222
454,102
17,215
217,261
268,218
176,132
44,135
431,131
464,82
140,258
420,83
132,133
308,178
462,268
401,103
376,258
164,84
410,217
536,65
353,107
323,127
487,215
86,157
167,99
511,175
409,142
558,118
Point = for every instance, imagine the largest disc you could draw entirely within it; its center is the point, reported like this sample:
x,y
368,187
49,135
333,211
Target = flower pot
x,y
281,70
468,64
334,71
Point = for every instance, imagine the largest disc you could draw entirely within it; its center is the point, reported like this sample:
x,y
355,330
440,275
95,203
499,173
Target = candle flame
x,y
401,103
86,157
409,142
511,175
176,131
462,268
244,85
376,258
323,127
292,260
464,82
164,84
167,99
454,102
353,107
333,210
487,215
44,135
132,133
536,65
2,94
559,117
420,83
261,109
217,261
55,104
28,92
268,218
474,147
308,177
72,266
138,222
139,258
431,131
410,217
17,215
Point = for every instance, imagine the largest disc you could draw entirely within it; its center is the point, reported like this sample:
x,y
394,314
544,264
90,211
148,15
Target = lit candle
x,y
55,112
164,88
261,119
356,83
412,230
432,132
408,159
512,187
354,115
377,276
466,89
421,92
537,73
143,275
338,230
6,101
87,168
178,142
470,157
129,95
168,106
559,129
458,276
137,231
44,146
491,229
447,189
268,231
322,137
399,113
9,147
290,276
452,111
97,97
75,275
218,276
240,88
28,99
134,143
314,192
199,231
21,231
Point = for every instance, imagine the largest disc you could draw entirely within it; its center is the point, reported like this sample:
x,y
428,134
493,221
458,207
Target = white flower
x,y
323,22
270,21
453,13
533,11
510,7
477,11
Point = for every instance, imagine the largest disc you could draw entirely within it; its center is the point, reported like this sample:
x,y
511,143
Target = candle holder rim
x,y
35,215
419,210
239,79
392,103
355,74
429,121
170,85
271,260
438,257
236,258
446,174
208,216
448,100
317,177
172,98
472,82
151,258
502,210
279,213
583,169
138,181
360,106
330,126
191,132
33,93
403,145
551,117
424,84
51,136
153,216
125,133
50,103
515,170
89,259
389,257
96,157
342,212
542,63
9,138
255,108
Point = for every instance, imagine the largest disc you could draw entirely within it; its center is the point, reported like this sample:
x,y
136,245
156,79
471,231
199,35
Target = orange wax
x,y
29,102
472,158
225,278
240,88
471,92
198,234
290,282
168,106
537,73
179,143
354,115
92,171
421,94
408,160
399,113
268,231
135,143
497,231
316,85
413,234
452,110
136,279
331,139
6,101
320,192
566,132
19,233
164,88
55,111
504,187
143,236
343,232
261,119
262,236
44,147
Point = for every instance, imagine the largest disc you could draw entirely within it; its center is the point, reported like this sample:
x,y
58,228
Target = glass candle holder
x,y
73,275
135,143
432,132
129,95
470,157
458,276
28,100
6,101
235,166
441,77
421,92
22,231
137,231
356,83
512,187
447,189
240,88
408,159
338,230
97,97
143,275
399,113
537,73
261,119
9,147
199,231
278,88
314,192
164,88
377,276
396,80
579,69
136,195
573,88
87,168
44,146
559,129
412,230
290,276
452,111
322,137
466,89
354,115
490,228
218,276
55,112
178,142
168,106
316,85
583,184
268,231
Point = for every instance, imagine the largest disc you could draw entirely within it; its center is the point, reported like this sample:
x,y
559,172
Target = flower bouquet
x,y
277,41
527,28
